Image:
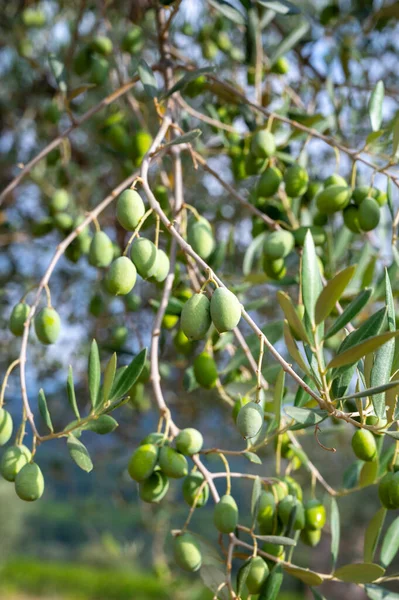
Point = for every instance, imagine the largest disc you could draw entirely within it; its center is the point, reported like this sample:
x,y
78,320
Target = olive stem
x,y
259,369
48,294
5,380
136,231
227,467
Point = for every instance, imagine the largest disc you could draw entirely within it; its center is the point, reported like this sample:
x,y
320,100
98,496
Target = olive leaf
x,y
148,80
374,592
252,457
368,473
332,292
278,395
129,376
311,285
279,540
335,530
44,411
109,376
242,575
373,533
375,105
94,374
359,572
302,397
79,453
255,498
390,544
71,393
283,7
306,417
228,11
305,575
59,72
271,588
186,138
359,350
290,40
293,348
253,251
292,316
103,425
371,391
186,79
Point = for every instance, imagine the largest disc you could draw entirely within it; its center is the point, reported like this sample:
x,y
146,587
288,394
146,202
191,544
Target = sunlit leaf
x,y
357,352
94,374
332,292
372,534
148,80
375,106
44,411
79,453
390,544
71,393
359,572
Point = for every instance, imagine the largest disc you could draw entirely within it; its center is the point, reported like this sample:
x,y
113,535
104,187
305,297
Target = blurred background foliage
x,y
90,538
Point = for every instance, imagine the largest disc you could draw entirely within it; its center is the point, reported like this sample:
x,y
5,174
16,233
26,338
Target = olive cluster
x,y
223,310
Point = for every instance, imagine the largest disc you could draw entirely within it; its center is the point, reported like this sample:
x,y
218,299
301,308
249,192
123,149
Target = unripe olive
x,y
314,188
99,69
142,462
189,441
320,219
119,336
381,197
238,165
209,49
133,302
12,461
285,445
293,487
205,370
42,227
172,463
101,250
335,179
238,406
102,45
280,66
63,222
121,276
196,317
187,552
275,269
351,218
369,214
279,490
33,17
225,310
182,343
162,266
269,182
296,181
144,256
278,244
18,317
59,201
263,144
129,209
6,426
140,144
315,515
361,192
47,325
200,238
274,549
133,40
250,420
364,445
154,488
156,438
257,574
310,537
82,61
333,199
191,485
318,234
286,507
97,305
267,507
377,422
29,482
225,514
388,491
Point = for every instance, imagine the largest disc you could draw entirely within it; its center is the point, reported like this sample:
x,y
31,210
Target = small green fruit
x,y
12,461
59,202
182,343
97,305
18,317
263,144
225,310
189,441
154,488
99,69
274,549
119,336
225,514
287,506
314,188
33,17
361,192
63,222
133,40
140,144
388,491
101,250
318,234
369,214
144,256
333,198
121,276
129,209
47,325
155,438
142,462
281,66
364,445
296,181
29,482
267,507
6,426
269,182
279,490
102,45
351,218
187,552
257,575
191,485
293,487
335,179
196,317
172,463
162,266
311,538
82,61
278,244
250,420
315,515
205,370
381,424
275,269
238,406
380,197
319,219
133,302
200,238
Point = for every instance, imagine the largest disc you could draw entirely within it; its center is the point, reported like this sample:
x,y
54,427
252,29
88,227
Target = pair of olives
x,y
16,466
47,322
223,310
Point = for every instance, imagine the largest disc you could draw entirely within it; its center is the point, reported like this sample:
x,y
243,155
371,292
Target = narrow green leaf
x,y
390,544
350,312
71,393
186,138
371,391
252,457
256,494
290,41
242,575
368,473
109,376
148,80
305,575
185,80
279,540
311,285
44,411
306,416
359,572
228,11
94,374
335,530
79,453
302,397
374,592
291,315
103,425
278,395
372,534
271,588
129,376
74,93
317,595
375,106
393,434
282,7
293,348
395,137
357,352
58,70
390,199
332,292
254,250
